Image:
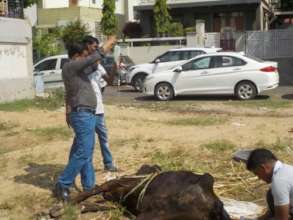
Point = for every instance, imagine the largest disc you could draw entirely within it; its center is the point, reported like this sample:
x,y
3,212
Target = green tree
x,y
27,3
176,29
47,44
74,32
161,17
109,20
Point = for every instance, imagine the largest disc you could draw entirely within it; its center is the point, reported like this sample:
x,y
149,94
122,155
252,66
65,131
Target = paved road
x,y
127,94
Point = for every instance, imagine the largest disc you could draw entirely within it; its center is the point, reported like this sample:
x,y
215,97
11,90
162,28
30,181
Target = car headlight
x,y
131,68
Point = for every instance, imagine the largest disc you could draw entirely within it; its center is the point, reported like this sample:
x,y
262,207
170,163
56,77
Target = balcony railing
x,y
282,5
11,8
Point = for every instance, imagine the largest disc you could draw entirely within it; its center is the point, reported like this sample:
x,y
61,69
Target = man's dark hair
x,y
258,157
90,40
75,48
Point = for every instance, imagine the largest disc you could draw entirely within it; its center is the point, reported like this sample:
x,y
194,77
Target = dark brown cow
x,y
174,195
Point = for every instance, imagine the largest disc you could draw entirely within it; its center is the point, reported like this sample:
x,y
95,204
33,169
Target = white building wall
x,y
16,64
89,3
55,3
130,9
120,4
30,13
120,7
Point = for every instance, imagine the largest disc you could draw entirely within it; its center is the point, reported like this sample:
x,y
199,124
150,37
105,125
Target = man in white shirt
x,y
265,165
100,127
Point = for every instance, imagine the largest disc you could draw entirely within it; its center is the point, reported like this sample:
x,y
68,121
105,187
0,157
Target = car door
x,y
60,64
224,73
47,69
189,80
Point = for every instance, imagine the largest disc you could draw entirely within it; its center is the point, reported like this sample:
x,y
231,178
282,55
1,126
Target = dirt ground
x,y
35,145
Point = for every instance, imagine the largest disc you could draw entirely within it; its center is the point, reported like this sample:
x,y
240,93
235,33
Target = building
x,y
282,14
52,13
16,81
218,15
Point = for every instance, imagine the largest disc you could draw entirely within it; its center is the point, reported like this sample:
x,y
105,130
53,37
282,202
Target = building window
x,y
234,20
11,8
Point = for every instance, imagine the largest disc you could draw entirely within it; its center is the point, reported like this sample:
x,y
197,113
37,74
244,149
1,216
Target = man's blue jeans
x,y
81,154
101,131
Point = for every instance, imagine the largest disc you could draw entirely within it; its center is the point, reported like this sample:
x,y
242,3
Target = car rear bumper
x,y
268,87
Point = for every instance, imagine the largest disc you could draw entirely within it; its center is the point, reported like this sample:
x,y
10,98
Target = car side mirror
x,y
157,60
178,69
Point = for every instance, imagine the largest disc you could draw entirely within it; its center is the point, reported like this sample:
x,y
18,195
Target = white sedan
x,y
227,73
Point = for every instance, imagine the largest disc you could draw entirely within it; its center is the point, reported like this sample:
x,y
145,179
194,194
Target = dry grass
x,y
36,151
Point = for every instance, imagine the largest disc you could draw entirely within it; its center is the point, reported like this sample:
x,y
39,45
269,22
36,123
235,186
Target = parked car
x,y
51,67
120,69
227,73
169,59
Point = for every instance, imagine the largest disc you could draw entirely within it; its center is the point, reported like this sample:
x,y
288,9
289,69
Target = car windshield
x,y
127,60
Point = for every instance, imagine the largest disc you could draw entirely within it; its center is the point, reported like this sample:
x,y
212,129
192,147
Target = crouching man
x,y
265,165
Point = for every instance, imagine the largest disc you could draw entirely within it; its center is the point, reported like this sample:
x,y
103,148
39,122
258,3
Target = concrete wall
x,y
62,16
55,3
16,64
120,4
146,53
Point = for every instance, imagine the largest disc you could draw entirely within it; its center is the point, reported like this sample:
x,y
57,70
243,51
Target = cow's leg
x,y
84,195
93,207
106,187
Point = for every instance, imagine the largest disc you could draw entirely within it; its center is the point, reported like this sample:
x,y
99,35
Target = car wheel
x,y
138,81
245,91
164,91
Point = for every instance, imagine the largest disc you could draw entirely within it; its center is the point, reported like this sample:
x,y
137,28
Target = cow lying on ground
x,y
174,195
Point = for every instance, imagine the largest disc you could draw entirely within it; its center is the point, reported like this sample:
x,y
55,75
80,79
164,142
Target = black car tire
x,y
137,82
164,92
245,90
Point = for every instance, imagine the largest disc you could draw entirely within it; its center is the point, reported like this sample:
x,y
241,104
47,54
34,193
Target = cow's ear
x,y
207,181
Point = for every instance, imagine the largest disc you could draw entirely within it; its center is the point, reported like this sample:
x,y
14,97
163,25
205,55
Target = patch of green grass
x,y
70,213
280,145
116,214
219,146
172,160
197,121
54,101
269,103
52,133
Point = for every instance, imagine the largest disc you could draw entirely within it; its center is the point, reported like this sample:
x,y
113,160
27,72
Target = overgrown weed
x,y
54,101
52,133
197,121
219,146
269,104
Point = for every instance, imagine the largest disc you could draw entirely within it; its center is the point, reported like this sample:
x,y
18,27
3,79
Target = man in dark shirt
x,y
80,104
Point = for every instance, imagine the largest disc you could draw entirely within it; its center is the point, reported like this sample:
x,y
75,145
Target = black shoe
x,y
111,169
61,193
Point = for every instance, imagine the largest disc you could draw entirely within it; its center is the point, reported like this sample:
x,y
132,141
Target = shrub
x,y
176,30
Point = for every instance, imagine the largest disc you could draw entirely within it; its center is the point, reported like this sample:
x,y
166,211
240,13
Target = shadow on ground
x,y
288,96
199,98
40,175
